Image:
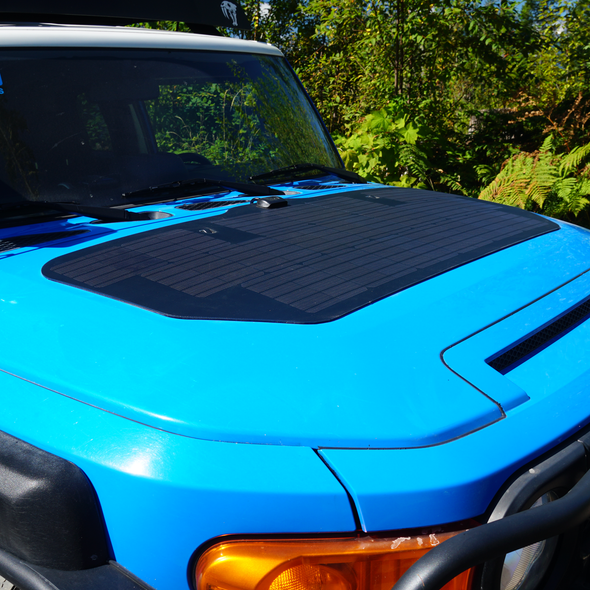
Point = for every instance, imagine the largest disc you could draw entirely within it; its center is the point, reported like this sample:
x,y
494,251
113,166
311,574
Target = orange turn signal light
x,y
364,563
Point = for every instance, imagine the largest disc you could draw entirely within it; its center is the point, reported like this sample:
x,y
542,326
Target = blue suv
x,y
230,364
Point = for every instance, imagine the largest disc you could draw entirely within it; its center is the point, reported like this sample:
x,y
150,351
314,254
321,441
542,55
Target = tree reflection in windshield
x,y
256,120
17,161
89,125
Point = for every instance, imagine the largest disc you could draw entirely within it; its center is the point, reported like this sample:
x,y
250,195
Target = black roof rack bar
x,y
207,13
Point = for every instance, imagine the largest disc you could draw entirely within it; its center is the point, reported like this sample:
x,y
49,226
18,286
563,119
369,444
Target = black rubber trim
x,y
541,339
296,169
494,539
25,576
353,507
49,512
209,205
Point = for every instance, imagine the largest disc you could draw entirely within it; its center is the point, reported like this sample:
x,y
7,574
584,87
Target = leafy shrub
x,y
383,148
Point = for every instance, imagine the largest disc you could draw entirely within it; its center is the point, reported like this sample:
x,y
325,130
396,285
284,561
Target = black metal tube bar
x,y
470,548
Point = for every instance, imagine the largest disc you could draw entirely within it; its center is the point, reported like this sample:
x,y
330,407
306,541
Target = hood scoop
x,y
519,352
314,261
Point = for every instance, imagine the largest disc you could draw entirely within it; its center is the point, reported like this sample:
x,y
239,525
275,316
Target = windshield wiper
x,y
101,213
291,171
185,185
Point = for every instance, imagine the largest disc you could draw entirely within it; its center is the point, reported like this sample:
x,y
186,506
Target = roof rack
x,y
200,15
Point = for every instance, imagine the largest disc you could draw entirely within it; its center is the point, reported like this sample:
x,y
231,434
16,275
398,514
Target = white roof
x,y
125,37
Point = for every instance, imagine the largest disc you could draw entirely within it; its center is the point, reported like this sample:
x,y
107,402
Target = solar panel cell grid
x,y
315,260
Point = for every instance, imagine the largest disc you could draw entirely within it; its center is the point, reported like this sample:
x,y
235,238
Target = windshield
x,y
90,125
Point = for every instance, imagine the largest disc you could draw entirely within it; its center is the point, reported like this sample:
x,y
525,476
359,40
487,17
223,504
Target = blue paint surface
x,y
407,488
164,495
371,379
189,430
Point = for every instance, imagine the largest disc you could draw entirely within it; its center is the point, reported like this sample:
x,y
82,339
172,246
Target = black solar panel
x,y
313,261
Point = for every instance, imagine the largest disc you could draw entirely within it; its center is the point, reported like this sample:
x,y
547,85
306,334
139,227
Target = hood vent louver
x,y
542,338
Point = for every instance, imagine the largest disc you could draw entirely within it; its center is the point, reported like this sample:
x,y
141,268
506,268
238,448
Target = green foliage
x,y
164,25
446,95
446,70
206,119
383,149
555,184
243,123
363,54
387,146
279,22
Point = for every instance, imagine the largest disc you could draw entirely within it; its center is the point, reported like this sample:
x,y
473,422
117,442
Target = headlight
x,y
524,568
364,563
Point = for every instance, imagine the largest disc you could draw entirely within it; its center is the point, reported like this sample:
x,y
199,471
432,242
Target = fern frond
x,y
548,145
414,159
525,180
572,160
452,183
584,186
565,187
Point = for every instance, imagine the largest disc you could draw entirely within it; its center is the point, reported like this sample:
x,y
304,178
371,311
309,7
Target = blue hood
x,y
372,378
